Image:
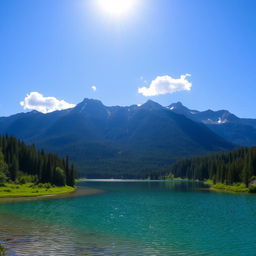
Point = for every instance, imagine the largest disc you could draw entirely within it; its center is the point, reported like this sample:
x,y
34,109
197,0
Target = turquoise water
x,y
134,218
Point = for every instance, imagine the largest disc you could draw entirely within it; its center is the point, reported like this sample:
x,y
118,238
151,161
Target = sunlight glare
x,y
117,7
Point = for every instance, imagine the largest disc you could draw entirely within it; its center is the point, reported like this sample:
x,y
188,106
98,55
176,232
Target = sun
x,y
117,7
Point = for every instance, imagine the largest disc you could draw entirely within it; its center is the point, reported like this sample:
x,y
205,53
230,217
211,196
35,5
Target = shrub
x,y
3,177
59,177
7,190
27,179
45,185
170,176
253,178
208,182
252,188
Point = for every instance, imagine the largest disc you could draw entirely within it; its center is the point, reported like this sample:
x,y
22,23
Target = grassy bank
x,y
177,179
171,177
30,189
235,188
80,179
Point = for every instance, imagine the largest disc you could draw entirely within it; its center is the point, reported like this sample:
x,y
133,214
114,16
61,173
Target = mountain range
x,y
240,131
134,141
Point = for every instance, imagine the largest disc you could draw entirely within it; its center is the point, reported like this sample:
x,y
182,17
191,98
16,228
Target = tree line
x,y
238,166
21,162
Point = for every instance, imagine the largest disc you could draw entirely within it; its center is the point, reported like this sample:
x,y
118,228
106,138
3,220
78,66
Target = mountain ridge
x,y
241,131
132,141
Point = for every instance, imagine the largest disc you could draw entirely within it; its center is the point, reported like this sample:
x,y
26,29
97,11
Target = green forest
x,y
22,164
238,166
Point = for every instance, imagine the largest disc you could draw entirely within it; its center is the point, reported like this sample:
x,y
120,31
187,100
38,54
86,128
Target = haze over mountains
x,y
133,141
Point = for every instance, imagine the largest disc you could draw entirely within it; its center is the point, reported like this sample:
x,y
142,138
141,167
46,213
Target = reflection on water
x,y
134,218
28,237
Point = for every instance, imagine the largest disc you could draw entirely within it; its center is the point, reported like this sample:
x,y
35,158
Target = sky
x,y
55,53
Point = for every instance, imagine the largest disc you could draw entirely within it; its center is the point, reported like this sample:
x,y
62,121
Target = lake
x,y
134,218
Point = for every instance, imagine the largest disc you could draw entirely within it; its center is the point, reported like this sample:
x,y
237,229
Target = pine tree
x,y
3,169
14,168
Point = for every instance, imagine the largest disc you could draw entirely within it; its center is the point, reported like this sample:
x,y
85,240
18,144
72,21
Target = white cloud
x,y
94,88
166,84
36,101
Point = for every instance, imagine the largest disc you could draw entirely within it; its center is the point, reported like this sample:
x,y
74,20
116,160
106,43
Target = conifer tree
x,y
236,166
17,158
14,168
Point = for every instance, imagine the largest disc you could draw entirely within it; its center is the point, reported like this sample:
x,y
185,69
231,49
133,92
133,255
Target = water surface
x,y
134,218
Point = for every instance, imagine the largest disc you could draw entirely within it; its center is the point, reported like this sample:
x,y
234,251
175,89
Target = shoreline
x,y
77,192
12,190
230,189
6,240
227,191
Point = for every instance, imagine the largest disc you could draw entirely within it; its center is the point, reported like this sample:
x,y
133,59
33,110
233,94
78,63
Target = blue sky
x,y
61,48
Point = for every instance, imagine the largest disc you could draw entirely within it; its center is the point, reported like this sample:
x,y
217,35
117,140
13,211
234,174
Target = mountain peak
x,y
179,108
89,105
177,105
91,101
150,104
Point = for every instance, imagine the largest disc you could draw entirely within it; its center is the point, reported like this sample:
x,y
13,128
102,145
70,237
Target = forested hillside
x,y
116,142
23,163
238,166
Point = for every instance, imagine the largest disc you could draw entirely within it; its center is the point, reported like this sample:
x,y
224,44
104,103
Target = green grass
x,y
208,182
30,189
231,188
235,188
80,179
171,177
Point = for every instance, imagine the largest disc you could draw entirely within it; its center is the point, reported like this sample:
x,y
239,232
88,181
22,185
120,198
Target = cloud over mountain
x,y
36,101
166,84
94,88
